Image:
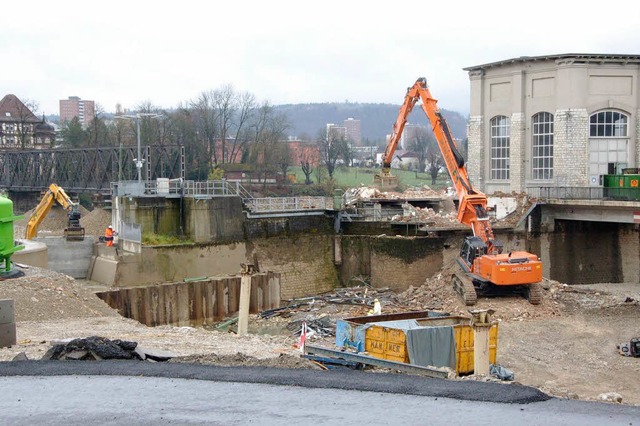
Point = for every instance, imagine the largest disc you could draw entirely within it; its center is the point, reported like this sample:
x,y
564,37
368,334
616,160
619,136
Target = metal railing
x,y
179,187
585,193
284,204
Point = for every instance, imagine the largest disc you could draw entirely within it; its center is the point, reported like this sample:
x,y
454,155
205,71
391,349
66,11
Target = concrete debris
x,y
20,357
610,397
364,193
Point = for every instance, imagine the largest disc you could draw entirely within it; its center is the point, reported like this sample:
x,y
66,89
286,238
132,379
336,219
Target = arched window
x,y
500,147
608,144
542,145
608,124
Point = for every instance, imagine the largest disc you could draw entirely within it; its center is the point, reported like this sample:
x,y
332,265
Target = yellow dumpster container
x,y
391,343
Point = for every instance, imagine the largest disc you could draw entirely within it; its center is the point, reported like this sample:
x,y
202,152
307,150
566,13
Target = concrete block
x,y
69,257
7,335
104,271
7,312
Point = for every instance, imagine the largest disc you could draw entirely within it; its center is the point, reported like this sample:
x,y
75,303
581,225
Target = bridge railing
x,y
585,193
179,187
284,204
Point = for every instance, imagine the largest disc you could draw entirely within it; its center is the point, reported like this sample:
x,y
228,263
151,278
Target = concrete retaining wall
x,y
193,303
394,262
69,257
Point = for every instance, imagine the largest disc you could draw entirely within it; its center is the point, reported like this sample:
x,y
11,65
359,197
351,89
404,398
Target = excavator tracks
x,y
534,293
464,287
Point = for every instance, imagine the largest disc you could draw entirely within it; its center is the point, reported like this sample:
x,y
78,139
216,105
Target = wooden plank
x,y
197,304
222,303
161,312
209,302
183,304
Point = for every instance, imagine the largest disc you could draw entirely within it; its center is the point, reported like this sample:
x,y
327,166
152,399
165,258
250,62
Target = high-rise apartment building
x,y
76,107
336,132
354,134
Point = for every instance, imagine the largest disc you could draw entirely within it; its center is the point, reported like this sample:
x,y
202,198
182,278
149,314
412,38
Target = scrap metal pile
x,y
316,311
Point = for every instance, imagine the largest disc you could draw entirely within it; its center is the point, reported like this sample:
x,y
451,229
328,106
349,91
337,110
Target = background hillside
x,y
376,120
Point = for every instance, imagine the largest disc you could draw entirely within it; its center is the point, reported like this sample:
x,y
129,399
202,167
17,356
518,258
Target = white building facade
x,y
553,121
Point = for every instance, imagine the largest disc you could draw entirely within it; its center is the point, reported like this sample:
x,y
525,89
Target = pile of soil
x,y
94,222
45,295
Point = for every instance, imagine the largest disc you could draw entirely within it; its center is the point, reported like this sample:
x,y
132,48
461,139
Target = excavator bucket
x,y
74,234
385,180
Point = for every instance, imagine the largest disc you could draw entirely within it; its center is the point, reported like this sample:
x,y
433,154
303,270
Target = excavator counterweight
x,y
484,268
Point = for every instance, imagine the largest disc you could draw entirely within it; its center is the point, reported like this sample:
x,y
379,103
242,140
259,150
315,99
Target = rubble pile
x,y
365,193
428,216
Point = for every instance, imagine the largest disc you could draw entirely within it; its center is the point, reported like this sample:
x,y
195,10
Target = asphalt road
x,y
120,392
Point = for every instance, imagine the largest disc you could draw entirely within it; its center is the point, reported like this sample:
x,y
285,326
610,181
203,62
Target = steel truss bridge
x,y
88,170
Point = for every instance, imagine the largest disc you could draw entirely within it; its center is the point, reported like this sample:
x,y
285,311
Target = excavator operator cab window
x,y
498,246
473,247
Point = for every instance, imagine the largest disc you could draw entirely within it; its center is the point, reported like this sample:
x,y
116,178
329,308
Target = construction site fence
x,y
585,193
179,187
283,204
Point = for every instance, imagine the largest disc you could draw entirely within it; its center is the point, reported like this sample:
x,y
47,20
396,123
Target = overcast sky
x,y
166,53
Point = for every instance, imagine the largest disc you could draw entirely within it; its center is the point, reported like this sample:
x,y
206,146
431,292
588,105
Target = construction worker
x,y
108,235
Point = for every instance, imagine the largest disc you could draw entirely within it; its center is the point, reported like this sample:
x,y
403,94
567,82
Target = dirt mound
x,y
53,225
95,222
44,295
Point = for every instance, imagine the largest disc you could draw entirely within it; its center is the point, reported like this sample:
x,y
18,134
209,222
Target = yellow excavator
x,y
73,232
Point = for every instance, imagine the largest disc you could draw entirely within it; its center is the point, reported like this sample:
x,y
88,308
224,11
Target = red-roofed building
x,y
20,128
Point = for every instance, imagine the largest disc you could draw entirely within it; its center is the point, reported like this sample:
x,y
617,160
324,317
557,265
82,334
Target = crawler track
x,y
465,288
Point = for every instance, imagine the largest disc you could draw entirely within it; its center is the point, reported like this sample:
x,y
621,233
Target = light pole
x,y
137,117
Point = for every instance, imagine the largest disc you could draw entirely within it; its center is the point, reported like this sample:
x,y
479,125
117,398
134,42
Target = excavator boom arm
x,y
54,194
472,209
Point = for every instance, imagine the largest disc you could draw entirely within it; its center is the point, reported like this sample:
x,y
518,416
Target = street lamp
x,y
137,117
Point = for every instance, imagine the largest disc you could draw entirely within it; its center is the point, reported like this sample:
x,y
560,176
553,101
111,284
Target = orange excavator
x,y
484,268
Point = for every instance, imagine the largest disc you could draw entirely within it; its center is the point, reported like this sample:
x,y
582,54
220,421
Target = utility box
x,y
163,186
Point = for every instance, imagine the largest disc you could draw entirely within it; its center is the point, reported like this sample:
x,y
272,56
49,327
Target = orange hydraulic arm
x,y
55,193
472,209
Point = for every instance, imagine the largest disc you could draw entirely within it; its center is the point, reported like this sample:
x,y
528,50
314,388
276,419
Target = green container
x,y
7,244
622,187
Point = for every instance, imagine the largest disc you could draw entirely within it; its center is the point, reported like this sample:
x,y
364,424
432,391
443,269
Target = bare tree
x,y
205,118
225,101
306,164
332,148
434,162
26,120
422,139
245,110
269,129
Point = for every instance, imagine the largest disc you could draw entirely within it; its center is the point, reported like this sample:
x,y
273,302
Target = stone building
x,y
553,121
20,128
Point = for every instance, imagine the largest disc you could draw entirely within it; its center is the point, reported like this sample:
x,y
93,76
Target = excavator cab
x,y
471,248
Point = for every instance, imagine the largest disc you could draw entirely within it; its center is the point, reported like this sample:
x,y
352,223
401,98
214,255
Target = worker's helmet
x,y
110,227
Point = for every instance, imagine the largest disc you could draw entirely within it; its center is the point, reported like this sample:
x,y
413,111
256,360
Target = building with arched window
x,y
559,120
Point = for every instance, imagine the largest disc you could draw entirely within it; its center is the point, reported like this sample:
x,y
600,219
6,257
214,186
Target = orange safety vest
x,y
108,236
